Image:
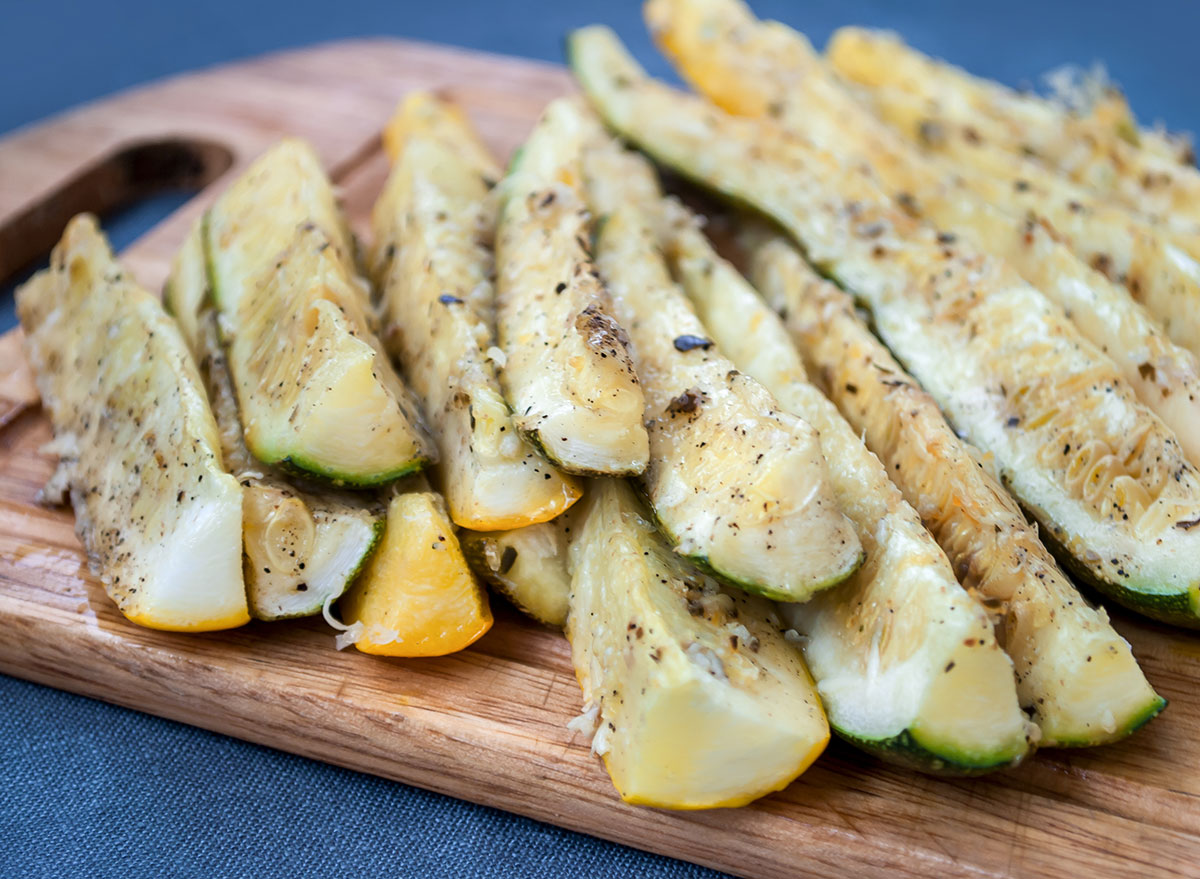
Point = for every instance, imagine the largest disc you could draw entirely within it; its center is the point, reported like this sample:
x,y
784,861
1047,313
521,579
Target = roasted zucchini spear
x,y
566,374
1089,217
1074,672
433,267
1106,479
302,547
1085,146
696,699
737,485
755,68
527,565
139,451
1156,260
957,708
315,389
416,597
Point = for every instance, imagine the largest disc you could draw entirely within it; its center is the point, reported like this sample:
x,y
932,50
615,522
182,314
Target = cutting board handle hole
x,y
116,182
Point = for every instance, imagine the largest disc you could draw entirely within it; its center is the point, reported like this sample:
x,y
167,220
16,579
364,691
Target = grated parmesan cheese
x,y
497,357
586,723
706,659
795,638
348,635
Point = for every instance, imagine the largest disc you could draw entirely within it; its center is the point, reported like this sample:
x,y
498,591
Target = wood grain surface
x,y
489,724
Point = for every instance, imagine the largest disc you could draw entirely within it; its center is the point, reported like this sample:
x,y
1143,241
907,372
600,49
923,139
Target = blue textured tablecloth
x,y
91,790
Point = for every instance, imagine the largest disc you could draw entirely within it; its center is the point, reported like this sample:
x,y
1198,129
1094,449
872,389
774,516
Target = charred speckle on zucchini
x,y
688,343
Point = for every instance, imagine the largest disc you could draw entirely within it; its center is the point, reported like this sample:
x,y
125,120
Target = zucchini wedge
x,y
737,485
696,699
754,68
315,389
416,596
965,720
1156,261
1108,482
1083,213
567,376
138,448
434,273
528,566
1091,152
302,548
1074,672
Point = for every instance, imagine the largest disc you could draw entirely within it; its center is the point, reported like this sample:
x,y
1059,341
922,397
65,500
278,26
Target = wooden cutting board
x,y
489,724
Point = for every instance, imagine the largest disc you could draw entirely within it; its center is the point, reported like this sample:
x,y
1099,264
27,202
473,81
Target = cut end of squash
x,y
417,597
427,114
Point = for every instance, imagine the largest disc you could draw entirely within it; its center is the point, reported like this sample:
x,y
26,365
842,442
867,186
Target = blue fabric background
x,y
88,789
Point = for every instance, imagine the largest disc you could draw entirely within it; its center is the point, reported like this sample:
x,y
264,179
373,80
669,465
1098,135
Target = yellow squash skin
x,y
698,702
160,518
567,376
737,484
416,597
1103,475
433,266
1090,148
315,388
756,68
1074,672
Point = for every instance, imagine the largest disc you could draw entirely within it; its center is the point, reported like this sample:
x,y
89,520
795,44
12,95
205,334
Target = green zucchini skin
x,y
1151,711
701,561
905,750
1179,609
299,466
